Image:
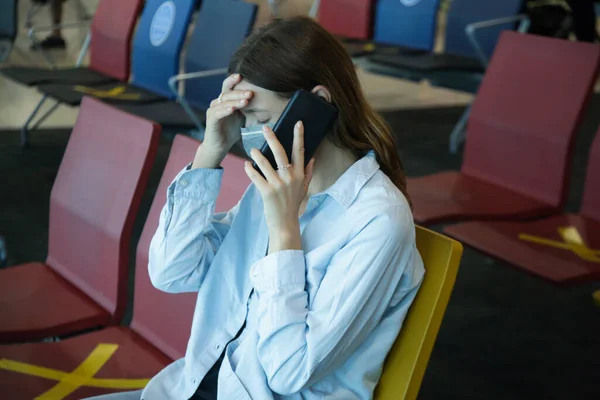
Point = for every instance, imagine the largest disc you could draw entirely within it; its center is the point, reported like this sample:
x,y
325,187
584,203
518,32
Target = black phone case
x,y
316,114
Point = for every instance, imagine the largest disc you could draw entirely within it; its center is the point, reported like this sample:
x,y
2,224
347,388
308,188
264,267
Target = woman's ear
x,y
322,92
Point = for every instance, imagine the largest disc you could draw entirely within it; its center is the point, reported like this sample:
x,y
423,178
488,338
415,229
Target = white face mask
x,y
252,137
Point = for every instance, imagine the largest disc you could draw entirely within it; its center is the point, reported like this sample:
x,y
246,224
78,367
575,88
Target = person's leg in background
x,y
584,19
55,39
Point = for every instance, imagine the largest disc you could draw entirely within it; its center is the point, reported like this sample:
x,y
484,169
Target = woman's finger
x,y
308,173
219,113
298,148
261,184
264,166
277,149
230,82
232,95
226,107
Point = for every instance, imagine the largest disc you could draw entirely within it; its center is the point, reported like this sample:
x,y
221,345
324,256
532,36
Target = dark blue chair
x,y
472,30
465,13
8,27
220,29
406,23
156,53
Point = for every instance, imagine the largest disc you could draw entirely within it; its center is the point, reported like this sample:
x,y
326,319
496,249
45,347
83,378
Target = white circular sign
x,y
409,3
162,23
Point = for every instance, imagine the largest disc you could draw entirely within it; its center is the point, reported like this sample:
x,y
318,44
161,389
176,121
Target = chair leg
x,y
5,48
26,128
3,252
458,133
26,57
46,115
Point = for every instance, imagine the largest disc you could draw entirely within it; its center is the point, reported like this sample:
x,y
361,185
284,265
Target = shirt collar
x,y
347,187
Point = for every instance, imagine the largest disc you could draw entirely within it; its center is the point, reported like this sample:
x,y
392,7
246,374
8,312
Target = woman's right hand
x,y
223,121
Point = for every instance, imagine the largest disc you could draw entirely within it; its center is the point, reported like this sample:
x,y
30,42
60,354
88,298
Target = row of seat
x,y
517,160
401,34
134,73
83,284
411,25
397,39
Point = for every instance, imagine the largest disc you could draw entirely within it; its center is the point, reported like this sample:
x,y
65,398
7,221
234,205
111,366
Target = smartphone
x,y
318,117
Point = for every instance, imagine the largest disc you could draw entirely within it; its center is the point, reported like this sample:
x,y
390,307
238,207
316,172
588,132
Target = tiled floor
x,y
17,101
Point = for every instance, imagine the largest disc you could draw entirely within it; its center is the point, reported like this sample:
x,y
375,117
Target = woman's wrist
x,y
208,157
285,238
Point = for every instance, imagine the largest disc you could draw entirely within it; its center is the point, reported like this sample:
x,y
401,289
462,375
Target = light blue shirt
x,y
320,321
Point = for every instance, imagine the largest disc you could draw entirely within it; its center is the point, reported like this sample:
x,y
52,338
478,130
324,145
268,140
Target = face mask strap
x,y
253,132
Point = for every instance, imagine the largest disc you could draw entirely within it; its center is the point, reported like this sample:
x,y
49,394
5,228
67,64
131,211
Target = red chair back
x,y
590,206
347,18
528,108
95,198
151,306
112,29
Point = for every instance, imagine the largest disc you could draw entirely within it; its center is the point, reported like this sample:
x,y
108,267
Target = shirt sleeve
x,y
189,232
302,341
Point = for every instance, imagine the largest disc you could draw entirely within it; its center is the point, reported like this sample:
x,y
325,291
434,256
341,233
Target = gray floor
x,y
506,335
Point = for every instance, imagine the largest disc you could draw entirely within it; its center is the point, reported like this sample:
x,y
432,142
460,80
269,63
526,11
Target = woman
x,y
304,285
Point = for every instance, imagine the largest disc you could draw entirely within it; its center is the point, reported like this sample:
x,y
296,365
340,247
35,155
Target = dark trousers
x,y
584,19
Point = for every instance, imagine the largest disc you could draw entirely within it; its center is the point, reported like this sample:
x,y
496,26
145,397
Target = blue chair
x,y
406,23
156,52
220,29
472,30
8,27
480,39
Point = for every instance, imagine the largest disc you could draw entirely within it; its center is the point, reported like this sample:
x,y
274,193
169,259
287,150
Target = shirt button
x,y
217,347
183,182
194,381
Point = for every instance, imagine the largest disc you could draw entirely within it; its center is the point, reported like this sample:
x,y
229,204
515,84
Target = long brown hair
x,y
297,53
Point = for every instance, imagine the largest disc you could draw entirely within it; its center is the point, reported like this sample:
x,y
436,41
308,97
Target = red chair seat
x,y
134,358
520,134
27,288
451,195
561,266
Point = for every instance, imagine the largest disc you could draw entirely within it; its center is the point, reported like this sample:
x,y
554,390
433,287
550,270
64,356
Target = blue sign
x,y
162,23
409,3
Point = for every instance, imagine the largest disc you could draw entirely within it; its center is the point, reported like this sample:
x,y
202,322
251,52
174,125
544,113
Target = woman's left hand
x,y
283,190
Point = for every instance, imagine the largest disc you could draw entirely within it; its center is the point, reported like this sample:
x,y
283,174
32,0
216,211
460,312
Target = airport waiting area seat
x,y
347,19
406,24
563,249
519,137
351,21
205,63
472,31
407,361
93,204
394,26
157,45
121,358
111,32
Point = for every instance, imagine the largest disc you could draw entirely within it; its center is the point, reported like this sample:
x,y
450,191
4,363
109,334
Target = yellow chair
x,y
407,360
